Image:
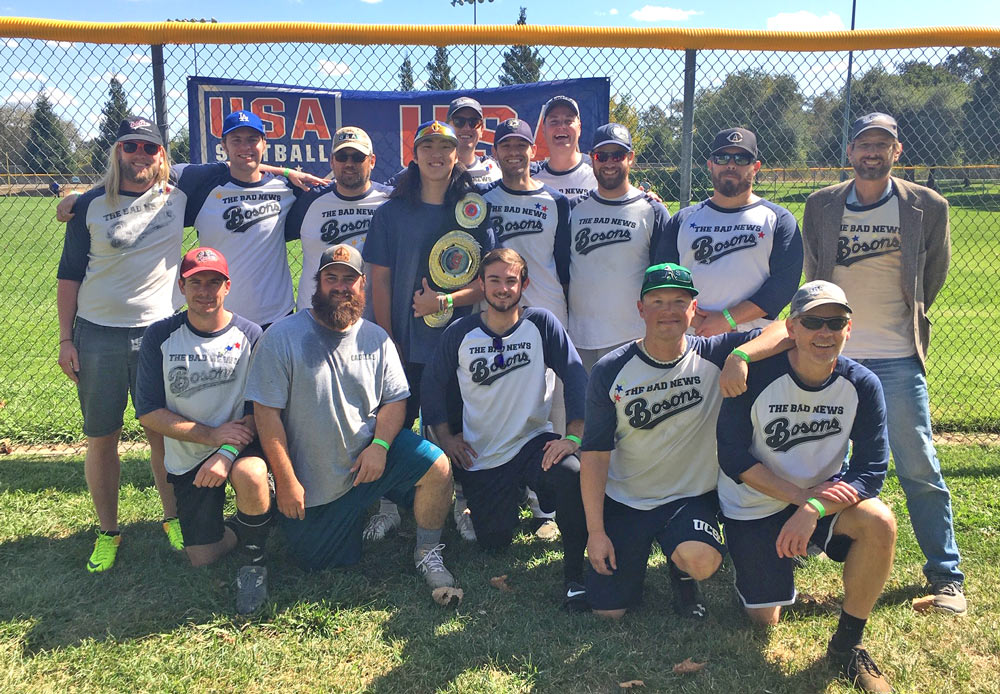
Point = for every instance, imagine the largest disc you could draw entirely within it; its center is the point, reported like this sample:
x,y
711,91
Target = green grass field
x,y
153,624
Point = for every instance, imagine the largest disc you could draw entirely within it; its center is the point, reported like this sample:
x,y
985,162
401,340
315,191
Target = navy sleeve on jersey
x,y
563,238
733,434
665,250
601,420
293,222
715,349
785,266
197,181
151,394
660,219
440,375
76,246
376,250
869,461
561,356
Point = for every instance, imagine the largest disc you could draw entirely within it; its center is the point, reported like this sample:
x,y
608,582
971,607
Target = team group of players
x,y
625,371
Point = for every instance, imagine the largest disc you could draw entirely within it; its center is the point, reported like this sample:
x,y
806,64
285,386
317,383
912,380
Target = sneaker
x,y
859,669
172,527
463,520
105,551
431,566
575,600
688,600
948,597
380,525
546,529
251,588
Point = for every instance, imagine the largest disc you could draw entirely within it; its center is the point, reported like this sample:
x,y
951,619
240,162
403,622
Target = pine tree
x,y
521,64
439,77
406,75
47,149
114,112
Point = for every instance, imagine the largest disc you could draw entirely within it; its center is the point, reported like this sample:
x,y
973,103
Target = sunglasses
x,y
356,157
606,156
668,274
462,121
498,346
815,322
147,147
738,159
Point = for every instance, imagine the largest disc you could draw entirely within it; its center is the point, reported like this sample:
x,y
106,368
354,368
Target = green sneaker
x,y
172,527
105,551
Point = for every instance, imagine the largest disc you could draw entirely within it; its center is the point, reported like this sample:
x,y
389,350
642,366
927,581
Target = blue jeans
x,y
927,498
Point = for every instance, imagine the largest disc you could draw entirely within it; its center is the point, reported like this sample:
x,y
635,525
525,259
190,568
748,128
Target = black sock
x,y
252,532
687,586
110,533
848,634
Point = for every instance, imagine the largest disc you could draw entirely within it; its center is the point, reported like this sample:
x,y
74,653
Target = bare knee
x,y
438,474
609,614
696,559
764,616
874,520
248,473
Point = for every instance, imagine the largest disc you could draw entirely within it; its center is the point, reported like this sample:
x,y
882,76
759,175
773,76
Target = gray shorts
x,y
109,361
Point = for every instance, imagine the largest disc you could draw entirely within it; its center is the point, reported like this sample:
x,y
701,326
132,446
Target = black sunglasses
x,y
668,274
356,157
815,322
462,121
498,346
605,156
739,159
147,147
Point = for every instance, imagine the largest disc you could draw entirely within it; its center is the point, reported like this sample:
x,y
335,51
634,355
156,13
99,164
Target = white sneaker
x,y
463,520
431,566
380,525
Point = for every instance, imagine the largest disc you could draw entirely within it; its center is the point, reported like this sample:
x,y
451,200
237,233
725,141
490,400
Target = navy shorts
x,y
632,532
109,363
330,534
763,579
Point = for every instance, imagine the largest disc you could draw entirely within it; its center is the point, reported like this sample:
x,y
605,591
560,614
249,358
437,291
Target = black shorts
x,y
763,579
632,532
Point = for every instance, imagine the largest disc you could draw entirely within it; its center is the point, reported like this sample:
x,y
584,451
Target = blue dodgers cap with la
x,y
513,127
242,119
612,134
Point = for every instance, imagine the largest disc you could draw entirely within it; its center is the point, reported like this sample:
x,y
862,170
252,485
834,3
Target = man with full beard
x,y
744,252
329,398
886,242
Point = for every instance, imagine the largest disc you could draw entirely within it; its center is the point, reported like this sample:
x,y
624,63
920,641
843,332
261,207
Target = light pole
x,y
475,56
847,101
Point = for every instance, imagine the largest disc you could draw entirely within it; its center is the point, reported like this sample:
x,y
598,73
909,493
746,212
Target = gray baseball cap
x,y
464,102
817,293
342,254
880,121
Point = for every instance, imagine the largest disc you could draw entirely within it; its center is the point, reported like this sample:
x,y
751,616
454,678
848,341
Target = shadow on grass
x,y
31,475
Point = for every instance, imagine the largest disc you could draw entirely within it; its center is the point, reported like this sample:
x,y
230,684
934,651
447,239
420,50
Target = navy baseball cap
x,y
667,276
612,134
513,127
242,119
141,129
741,138
881,121
560,100
464,102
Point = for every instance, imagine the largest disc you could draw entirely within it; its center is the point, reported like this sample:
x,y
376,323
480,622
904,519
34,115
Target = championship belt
x,y
453,259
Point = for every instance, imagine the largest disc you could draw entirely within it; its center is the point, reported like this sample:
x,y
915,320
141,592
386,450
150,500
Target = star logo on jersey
x,y
693,224
855,238
618,388
760,234
218,196
618,398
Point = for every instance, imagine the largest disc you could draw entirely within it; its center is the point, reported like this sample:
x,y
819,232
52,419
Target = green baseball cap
x,y
667,275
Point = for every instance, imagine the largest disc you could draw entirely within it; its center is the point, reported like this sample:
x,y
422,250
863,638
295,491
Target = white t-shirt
x,y
574,183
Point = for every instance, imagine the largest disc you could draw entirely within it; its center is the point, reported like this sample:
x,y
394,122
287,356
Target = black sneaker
x,y
859,669
575,599
251,589
948,597
688,600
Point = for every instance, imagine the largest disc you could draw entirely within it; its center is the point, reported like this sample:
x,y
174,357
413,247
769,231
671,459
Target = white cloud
x,y
10,43
140,58
31,76
60,44
803,20
56,96
329,67
613,11
653,13
371,2
106,77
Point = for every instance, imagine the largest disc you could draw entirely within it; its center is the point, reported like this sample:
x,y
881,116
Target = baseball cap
x,y
242,119
464,102
342,254
560,100
817,293
352,137
882,121
138,129
513,127
741,138
434,128
667,275
203,259
612,134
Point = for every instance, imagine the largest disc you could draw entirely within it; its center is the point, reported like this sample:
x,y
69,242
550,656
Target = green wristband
x,y
741,354
574,439
450,300
286,172
381,443
729,317
231,449
814,502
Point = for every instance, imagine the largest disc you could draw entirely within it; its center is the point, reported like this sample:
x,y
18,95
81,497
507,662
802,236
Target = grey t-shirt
x,y
329,386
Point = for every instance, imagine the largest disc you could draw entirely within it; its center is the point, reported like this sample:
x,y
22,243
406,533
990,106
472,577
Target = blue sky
x,y
727,14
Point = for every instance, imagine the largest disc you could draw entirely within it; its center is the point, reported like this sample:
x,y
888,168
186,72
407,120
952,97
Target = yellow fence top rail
x,y
442,35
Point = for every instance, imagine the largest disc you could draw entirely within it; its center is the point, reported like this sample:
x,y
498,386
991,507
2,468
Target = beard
x,y
339,313
612,181
873,173
732,187
353,181
509,305
143,176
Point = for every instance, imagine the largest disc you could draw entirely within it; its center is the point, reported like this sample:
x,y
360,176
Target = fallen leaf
x,y
500,583
3,404
688,666
923,604
631,683
5,448
449,597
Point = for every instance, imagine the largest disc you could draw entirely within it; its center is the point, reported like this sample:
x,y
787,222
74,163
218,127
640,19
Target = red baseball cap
x,y
203,259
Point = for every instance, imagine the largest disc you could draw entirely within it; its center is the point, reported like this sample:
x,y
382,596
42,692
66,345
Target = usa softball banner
x,y
300,121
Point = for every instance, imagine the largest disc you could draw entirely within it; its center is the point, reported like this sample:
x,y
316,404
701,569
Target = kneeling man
x,y
782,446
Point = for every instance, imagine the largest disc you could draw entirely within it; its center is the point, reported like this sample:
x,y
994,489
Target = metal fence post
x,y
160,95
687,127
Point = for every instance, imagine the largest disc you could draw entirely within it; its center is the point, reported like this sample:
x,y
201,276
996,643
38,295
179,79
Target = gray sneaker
x,y
380,525
463,520
431,566
251,588
949,598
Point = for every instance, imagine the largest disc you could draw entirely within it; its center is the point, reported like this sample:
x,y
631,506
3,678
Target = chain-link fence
x,y
60,95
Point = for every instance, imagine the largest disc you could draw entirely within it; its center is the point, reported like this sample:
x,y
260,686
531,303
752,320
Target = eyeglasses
x,y
873,146
498,348
605,156
147,147
815,322
462,121
724,158
356,157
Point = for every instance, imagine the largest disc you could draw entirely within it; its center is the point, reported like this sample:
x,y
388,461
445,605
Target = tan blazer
x,y
925,240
